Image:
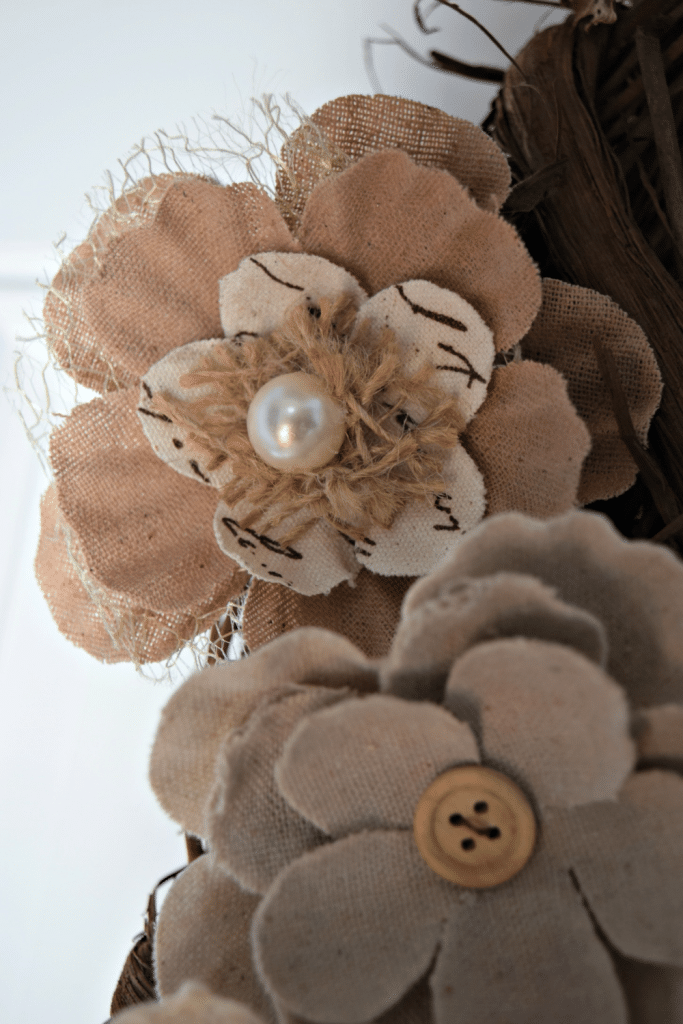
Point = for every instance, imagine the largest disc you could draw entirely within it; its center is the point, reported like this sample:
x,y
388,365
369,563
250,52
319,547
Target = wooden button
x,y
474,826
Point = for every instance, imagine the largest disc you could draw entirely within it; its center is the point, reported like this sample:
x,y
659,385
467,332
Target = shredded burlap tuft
x,y
378,469
343,131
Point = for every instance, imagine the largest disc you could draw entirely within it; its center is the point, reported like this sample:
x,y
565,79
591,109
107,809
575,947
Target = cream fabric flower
x,y
193,1004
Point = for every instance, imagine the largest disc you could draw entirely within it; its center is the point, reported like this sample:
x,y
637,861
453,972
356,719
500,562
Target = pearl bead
x,y
294,424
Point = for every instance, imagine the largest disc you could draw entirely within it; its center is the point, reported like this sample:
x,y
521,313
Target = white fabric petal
x,y
319,560
169,439
422,535
437,326
255,298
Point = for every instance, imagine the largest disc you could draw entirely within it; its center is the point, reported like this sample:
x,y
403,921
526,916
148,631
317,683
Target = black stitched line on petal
x,y
271,572
177,442
155,415
287,284
431,314
148,390
455,525
194,465
437,499
467,368
244,334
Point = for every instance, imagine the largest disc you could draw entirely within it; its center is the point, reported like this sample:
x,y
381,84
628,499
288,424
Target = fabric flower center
x,y
294,424
474,826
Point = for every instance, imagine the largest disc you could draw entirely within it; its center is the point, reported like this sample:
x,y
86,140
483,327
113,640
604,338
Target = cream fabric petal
x,y
255,298
312,564
209,705
627,858
437,327
252,831
108,625
659,736
191,1004
423,534
349,609
348,128
635,588
365,763
202,935
569,318
386,220
525,952
144,530
168,439
528,441
346,930
438,631
549,715
145,281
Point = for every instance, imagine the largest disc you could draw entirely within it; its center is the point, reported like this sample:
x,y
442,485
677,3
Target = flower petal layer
x,y
255,298
548,714
108,625
346,930
523,952
317,561
423,534
202,935
365,763
627,857
438,631
205,709
271,611
252,831
350,127
659,736
148,282
635,588
386,220
192,1004
145,531
562,335
528,441
436,327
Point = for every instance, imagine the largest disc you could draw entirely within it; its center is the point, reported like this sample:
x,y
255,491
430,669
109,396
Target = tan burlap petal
x,y
252,831
192,1004
347,929
438,631
205,709
366,612
635,588
145,531
108,625
120,304
562,335
654,993
659,736
365,763
385,219
528,442
255,298
202,935
312,564
424,533
526,952
438,328
350,127
547,714
628,862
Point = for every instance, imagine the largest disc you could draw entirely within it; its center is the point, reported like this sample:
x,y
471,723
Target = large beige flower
x,y
184,278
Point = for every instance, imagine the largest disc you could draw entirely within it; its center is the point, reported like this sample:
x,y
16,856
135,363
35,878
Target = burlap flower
x,y
193,1004
399,204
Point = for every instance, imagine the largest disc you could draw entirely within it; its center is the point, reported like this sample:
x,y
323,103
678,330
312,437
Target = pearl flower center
x,y
294,425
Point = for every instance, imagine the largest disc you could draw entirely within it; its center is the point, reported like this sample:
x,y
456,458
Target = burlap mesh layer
x,y
146,279
108,625
562,333
367,613
348,128
435,233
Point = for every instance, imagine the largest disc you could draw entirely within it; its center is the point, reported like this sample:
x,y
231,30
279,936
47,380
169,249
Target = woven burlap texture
x,y
146,282
193,1004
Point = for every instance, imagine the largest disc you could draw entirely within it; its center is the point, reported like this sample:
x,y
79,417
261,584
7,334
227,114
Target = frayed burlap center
x,y
386,459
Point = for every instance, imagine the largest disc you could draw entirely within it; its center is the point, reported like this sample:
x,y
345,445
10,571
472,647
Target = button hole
x,y
494,833
481,807
468,844
456,819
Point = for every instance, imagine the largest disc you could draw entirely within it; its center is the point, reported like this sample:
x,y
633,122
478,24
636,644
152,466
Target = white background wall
x,y
81,81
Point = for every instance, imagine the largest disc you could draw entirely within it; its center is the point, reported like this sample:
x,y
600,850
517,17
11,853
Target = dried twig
x,y
482,28
664,130
437,61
